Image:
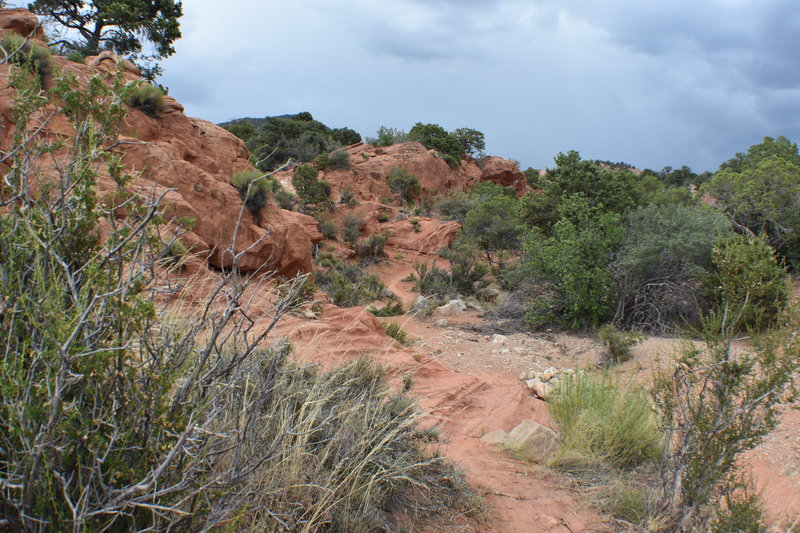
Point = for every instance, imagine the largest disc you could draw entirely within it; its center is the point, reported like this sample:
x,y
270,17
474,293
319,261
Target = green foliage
x,y
665,254
254,188
351,228
340,160
27,54
371,249
328,229
396,331
384,217
471,141
310,189
274,141
618,343
392,308
349,285
759,190
415,224
285,199
387,137
493,226
748,282
715,404
603,424
126,27
455,207
147,98
451,146
574,262
613,191
347,197
404,184
466,272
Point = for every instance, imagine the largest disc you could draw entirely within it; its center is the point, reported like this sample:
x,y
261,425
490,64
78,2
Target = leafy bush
x,y
384,217
312,191
455,207
574,263
415,224
404,184
285,199
617,343
30,55
431,280
328,229
392,308
351,228
715,404
387,137
76,57
664,255
349,285
148,99
372,248
254,187
748,282
493,226
396,331
602,424
340,160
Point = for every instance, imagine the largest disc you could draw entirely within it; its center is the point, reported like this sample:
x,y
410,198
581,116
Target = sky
x,y
648,82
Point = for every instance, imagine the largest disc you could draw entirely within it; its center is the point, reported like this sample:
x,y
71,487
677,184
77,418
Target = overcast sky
x,y
648,82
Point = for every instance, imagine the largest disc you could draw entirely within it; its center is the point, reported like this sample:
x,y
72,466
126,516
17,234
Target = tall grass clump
x,y
349,285
396,331
254,188
603,425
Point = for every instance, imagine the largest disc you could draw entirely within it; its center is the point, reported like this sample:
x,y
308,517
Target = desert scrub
x,y
351,228
254,188
146,98
27,54
384,217
396,331
603,424
415,224
328,229
339,160
392,308
349,285
617,343
404,184
347,197
371,248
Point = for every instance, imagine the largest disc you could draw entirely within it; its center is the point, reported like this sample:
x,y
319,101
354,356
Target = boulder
x,y
452,308
534,441
421,304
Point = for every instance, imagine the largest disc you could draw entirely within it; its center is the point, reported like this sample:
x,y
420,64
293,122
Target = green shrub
x,y
493,226
347,196
431,280
574,263
602,425
372,248
30,54
312,191
618,343
404,184
748,282
323,161
665,253
392,308
351,228
387,137
455,207
147,98
396,331
254,187
76,57
285,199
328,229
340,160
384,217
415,224
175,252
349,285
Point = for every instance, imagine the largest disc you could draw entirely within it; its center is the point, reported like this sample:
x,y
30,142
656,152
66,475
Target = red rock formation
x,y
503,172
190,160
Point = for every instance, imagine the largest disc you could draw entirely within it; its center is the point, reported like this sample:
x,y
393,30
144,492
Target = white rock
x,y
441,322
499,339
451,308
534,440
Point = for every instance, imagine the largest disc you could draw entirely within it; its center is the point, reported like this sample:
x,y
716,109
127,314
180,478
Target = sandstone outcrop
x,y
503,172
190,162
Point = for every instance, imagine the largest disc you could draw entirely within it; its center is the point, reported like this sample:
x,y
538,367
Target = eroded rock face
x,y
189,161
503,172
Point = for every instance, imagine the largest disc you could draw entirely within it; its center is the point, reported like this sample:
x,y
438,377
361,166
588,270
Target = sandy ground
x,y
468,384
